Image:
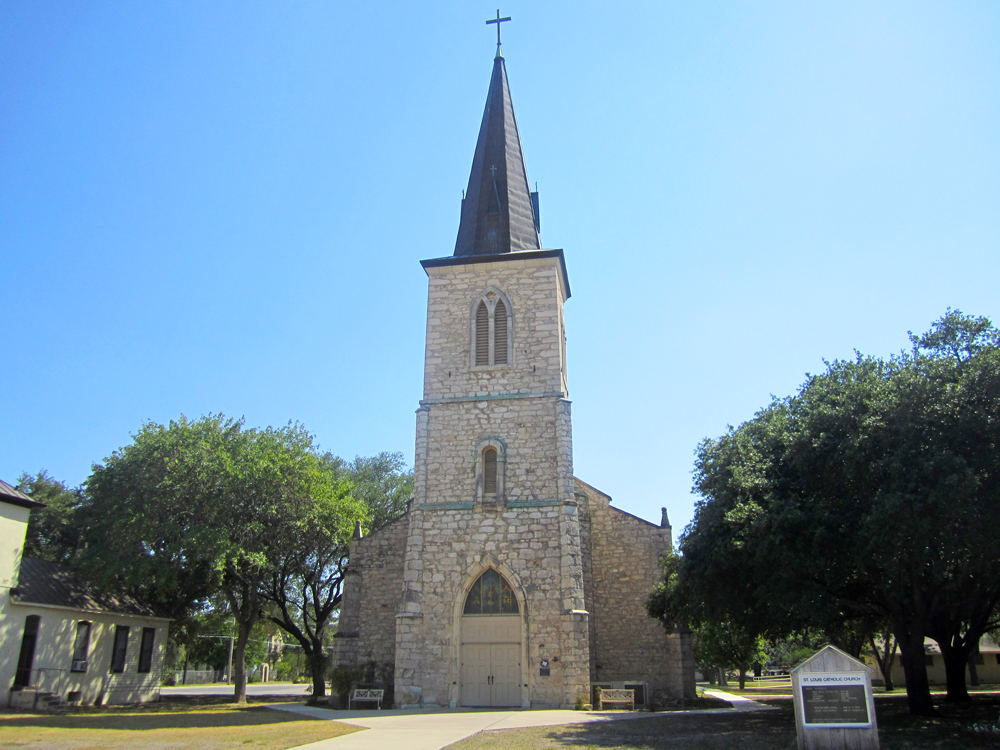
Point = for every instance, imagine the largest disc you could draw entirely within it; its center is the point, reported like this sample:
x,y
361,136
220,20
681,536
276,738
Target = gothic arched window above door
x,y
491,594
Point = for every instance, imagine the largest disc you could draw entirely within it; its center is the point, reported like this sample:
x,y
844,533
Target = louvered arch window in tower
x,y
482,335
500,333
491,330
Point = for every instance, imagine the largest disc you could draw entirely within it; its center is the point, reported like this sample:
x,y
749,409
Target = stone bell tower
x,y
492,610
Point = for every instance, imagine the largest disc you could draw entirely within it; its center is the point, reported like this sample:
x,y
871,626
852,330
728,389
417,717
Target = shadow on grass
x,y
172,718
764,730
757,730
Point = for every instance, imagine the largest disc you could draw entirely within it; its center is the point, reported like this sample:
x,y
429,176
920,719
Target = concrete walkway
x,y
430,729
739,702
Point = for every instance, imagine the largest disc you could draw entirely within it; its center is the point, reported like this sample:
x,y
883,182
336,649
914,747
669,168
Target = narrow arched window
x,y
490,471
491,594
482,334
500,333
492,323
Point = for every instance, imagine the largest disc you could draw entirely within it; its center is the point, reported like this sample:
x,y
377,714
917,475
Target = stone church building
x,y
508,582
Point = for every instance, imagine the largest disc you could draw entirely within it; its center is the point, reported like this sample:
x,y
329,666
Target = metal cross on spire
x,y
498,21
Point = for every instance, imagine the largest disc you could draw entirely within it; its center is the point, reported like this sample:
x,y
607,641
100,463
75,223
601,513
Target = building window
x,y
929,660
491,326
26,658
146,650
482,335
120,649
491,594
490,462
500,333
81,647
490,471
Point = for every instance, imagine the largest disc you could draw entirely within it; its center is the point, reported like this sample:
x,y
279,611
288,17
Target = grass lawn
x,y
174,724
764,730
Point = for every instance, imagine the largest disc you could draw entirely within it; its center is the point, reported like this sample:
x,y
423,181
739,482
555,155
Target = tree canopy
x,y
53,532
209,507
871,493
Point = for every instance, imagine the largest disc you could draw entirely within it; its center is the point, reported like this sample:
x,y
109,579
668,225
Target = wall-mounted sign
x,y
543,668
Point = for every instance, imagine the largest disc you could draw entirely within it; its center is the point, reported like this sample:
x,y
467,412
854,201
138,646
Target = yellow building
x,y
61,640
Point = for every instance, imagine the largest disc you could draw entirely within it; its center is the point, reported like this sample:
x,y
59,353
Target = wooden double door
x,y
491,662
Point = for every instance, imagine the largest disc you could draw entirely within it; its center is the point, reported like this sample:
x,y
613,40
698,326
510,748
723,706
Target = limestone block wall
x,y
536,293
373,588
528,427
448,549
623,567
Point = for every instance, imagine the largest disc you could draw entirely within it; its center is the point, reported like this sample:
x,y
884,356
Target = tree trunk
x,y
885,657
955,660
184,679
918,689
317,662
722,678
973,667
889,660
239,663
758,669
743,678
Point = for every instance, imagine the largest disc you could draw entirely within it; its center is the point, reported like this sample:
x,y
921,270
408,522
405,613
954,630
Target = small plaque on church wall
x,y
543,669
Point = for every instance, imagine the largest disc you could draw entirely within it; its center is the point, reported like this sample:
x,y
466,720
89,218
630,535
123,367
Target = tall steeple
x,y
499,212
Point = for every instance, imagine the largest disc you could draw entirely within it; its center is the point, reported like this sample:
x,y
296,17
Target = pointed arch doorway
x,y
491,644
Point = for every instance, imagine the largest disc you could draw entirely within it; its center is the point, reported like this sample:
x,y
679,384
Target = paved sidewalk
x,y
430,729
739,702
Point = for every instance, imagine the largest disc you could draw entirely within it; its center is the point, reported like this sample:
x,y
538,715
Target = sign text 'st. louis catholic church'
x,y
508,582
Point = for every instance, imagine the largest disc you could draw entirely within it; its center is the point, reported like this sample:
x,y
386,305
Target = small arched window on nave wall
x,y
491,594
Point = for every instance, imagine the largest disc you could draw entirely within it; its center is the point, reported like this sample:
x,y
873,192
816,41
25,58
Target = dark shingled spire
x,y
498,212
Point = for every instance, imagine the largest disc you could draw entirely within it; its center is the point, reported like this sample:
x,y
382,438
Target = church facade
x,y
508,581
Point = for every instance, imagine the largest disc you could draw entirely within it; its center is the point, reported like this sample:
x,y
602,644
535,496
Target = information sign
x,y
834,699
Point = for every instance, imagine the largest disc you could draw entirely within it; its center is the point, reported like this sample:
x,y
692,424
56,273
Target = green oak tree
x,y
53,531
305,586
203,508
867,495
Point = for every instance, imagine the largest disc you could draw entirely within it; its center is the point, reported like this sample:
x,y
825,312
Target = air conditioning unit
x,y
79,665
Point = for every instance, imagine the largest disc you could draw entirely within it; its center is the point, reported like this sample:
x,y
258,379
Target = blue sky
x,y
220,207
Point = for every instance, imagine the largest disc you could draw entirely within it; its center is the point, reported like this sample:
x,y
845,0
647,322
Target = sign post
x,y
834,709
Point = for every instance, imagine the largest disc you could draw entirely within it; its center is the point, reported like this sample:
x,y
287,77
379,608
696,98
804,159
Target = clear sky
x,y
220,207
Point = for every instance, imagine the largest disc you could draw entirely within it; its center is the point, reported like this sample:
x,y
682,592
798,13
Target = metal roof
x,y
14,496
498,214
50,584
